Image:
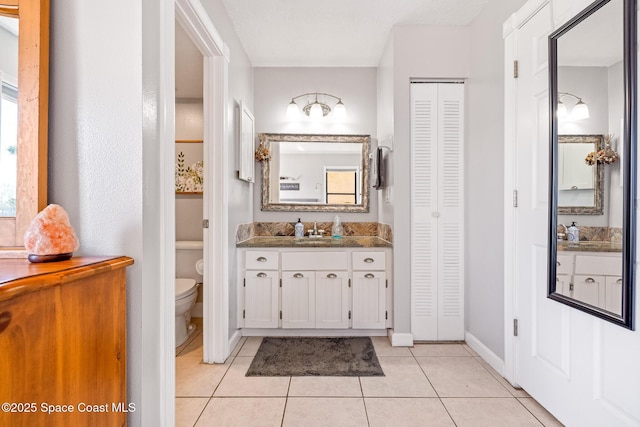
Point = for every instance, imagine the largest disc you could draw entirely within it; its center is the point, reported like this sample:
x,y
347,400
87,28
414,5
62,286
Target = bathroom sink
x,y
306,241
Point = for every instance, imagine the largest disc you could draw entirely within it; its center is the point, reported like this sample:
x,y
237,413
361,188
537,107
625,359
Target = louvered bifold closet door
x,y
437,211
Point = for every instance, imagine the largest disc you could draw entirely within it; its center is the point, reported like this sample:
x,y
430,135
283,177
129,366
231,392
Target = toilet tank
x,y
188,252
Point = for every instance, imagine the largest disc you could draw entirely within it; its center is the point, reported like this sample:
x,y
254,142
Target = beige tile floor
x,y
426,385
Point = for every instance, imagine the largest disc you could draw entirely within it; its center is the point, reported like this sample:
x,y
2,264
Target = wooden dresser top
x,y
19,275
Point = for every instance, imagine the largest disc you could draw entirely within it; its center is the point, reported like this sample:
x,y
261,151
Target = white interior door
x,y
580,368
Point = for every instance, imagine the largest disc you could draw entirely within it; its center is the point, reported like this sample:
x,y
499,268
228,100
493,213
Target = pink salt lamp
x,y
50,236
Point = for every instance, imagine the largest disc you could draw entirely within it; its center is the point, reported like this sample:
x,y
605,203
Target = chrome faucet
x,y
560,235
315,232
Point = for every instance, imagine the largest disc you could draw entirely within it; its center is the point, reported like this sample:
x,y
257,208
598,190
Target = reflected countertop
x,y
589,246
306,242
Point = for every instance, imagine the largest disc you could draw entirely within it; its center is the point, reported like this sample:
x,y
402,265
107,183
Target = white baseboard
x,y
254,332
233,341
400,339
197,310
483,351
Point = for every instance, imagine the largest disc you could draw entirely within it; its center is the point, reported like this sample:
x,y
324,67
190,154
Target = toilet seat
x,y
185,287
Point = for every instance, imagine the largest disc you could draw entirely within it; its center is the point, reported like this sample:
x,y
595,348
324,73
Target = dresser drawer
x,y
369,260
261,260
599,265
314,261
564,264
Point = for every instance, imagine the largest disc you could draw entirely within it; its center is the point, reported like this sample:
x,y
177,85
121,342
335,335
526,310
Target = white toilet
x,y
186,294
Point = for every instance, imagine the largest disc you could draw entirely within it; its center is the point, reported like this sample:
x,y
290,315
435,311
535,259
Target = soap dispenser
x,y
299,229
572,233
336,230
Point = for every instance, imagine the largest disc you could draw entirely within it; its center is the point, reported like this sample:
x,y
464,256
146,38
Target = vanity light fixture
x,y
580,110
316,106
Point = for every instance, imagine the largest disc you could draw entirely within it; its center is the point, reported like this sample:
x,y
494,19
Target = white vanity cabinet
x,y
313,291
260,284
591,277
369,290
317,298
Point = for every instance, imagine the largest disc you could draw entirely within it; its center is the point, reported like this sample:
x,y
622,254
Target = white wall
x,y
96,147
9,57
418,52
386,128
274,88
484,156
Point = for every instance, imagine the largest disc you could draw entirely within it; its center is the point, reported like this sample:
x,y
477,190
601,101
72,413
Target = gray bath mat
x,y
334,357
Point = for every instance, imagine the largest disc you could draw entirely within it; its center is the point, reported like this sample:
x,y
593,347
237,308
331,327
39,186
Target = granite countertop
x,y
306,242
589,246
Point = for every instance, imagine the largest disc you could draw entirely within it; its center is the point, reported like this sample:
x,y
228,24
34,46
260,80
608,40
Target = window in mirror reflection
x,y
342,186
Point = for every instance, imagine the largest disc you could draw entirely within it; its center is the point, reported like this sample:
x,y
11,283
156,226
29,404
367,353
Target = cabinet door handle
x,y
571,286
368,260
261,259
619,281
558,262
331,276
369,276
5,320
298,275
262,274
589,280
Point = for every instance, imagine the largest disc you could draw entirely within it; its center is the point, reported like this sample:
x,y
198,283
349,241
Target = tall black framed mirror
x,y
592,93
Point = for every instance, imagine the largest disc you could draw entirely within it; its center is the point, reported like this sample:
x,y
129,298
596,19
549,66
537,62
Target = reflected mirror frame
x,y
629,178
268,138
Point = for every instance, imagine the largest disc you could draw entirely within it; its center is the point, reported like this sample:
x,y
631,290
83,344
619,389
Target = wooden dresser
x,y
63,342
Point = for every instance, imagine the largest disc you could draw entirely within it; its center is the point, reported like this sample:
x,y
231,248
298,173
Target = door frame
x,y
509,28
195,20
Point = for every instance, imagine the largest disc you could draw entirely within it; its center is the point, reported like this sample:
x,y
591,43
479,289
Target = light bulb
x,y
561,111
293,112
339,111
580,111
316,111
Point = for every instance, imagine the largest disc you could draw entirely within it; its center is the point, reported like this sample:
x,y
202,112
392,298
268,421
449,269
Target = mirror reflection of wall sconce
x,y
580,110
316,106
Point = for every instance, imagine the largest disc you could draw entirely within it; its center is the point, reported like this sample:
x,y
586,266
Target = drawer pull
x,y
619,281
262,274
261,259
331,276
589,280
368,260
5,320
298,275
369,276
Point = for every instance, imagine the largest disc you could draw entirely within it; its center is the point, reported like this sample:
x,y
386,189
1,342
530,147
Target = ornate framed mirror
x,y
592,63
315,173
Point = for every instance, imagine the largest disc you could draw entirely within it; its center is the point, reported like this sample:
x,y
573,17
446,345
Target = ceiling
x,y
317,33
334,33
